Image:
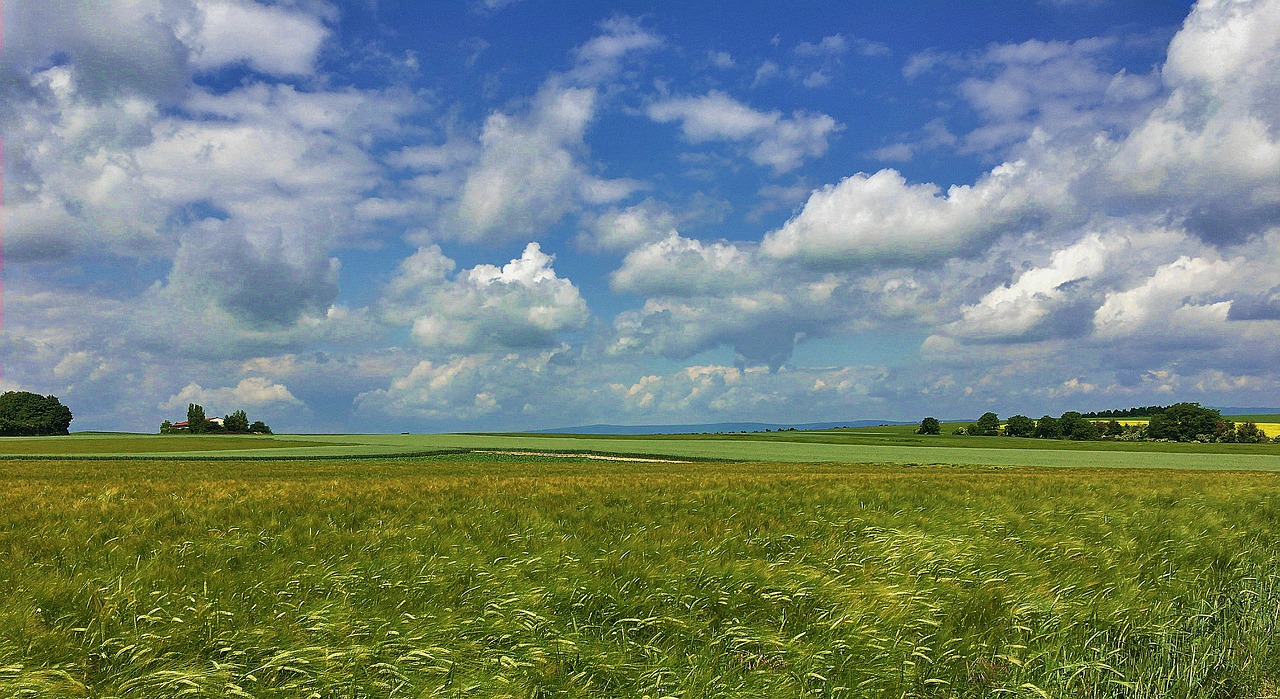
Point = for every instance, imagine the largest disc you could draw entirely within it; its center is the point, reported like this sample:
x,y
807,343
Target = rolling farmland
x,y
501,575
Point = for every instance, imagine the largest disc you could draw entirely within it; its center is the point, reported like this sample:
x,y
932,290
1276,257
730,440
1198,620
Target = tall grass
x,y
547,578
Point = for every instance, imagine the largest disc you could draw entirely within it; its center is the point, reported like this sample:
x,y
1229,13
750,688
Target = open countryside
x,y
493,349
843,563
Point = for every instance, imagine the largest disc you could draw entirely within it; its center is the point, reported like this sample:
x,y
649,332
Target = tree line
x,y
198,423
1180,422
25,414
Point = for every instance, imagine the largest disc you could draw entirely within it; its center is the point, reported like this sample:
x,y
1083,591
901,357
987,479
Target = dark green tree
x,y
988,425
28,414
1020,426
1081,430
196,419
929,425
1048,428
258,427
1184,422
236,422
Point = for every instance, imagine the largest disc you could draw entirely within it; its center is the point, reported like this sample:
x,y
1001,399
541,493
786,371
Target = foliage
x,y
30,414
196,421
988,425
1248,432
1048,428
236,422
1020,426
1143,411
483,579
1186,422
929,425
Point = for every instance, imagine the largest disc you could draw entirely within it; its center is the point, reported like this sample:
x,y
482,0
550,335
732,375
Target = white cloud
x,y
677,266
1041,296
1180,303
621,229
521,305
883,218
252,392
530,173
717,392
269,39
601,57
773,140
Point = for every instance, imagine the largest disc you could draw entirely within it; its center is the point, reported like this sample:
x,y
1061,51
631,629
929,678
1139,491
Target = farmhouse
x,y
183,425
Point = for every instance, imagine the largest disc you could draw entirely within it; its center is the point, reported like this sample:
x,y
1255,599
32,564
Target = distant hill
x,y
1249,411
712,427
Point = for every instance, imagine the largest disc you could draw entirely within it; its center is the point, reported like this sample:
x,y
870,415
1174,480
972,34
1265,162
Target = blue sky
x,y
384,216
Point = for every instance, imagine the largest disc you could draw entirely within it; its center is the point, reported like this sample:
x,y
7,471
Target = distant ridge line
x,y
712,427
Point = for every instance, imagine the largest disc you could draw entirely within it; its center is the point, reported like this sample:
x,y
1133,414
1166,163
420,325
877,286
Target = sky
x,y
385,215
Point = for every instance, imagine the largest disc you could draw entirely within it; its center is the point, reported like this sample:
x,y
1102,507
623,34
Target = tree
x,y
236,422
1048,428
1184,422
166,427
929,425
1249,433
196,419
1067,422
1082,430
29,414
988,425
258,427
1020,426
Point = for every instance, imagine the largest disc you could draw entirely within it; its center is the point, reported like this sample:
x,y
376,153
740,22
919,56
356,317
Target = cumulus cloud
x,y
883,218
715,391
1210,151
1049,300
625,228
530,171
138,52
269,39
678,266
521,305
252,392
772,140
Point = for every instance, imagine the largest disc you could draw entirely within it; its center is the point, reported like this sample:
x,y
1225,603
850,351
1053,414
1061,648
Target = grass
x,y
551,577
905,435
99,443
883,445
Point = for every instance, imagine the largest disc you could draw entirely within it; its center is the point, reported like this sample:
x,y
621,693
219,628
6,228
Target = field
x,y
877,444
467,575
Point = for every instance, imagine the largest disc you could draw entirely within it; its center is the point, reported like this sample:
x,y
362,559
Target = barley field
x,y
517,576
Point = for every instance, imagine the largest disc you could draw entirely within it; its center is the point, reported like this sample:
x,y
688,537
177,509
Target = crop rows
x,y
545,578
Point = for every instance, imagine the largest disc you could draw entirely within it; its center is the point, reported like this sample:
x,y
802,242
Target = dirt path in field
x,y
597,457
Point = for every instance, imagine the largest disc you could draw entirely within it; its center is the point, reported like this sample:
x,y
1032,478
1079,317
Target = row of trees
x,y
198,423
25,414
1181,422
1140,411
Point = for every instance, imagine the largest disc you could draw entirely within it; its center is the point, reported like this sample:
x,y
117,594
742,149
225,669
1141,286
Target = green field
x,y
100,444
552,577
879,445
